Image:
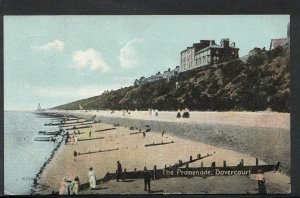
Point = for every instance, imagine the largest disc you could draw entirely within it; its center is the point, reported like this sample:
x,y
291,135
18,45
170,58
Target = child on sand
x,y
63,185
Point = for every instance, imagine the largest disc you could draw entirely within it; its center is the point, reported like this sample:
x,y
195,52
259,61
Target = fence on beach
x,y
175,171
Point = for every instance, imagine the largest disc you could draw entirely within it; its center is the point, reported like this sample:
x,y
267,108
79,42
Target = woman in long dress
x,y
62,187
75,188
92,178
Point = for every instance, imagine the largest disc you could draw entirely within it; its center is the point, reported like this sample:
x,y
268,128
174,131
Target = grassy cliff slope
x,y
262,83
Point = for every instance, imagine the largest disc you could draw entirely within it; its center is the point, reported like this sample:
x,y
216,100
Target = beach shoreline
x,y
156,125
265,135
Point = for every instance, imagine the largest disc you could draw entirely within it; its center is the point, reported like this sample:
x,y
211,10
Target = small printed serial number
x,y
27,178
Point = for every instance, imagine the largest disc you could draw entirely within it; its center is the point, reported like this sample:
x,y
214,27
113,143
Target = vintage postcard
x,y
148,104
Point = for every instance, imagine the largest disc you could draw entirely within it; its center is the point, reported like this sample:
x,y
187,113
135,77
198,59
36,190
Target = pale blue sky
x,y
54,60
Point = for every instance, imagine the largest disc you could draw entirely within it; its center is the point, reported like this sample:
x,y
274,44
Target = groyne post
x,y
213,165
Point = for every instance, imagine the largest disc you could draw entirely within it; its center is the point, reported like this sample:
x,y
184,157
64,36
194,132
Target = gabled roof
x,y
279,42
214,46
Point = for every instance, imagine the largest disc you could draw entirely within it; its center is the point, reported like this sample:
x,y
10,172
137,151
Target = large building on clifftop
x,y
207,52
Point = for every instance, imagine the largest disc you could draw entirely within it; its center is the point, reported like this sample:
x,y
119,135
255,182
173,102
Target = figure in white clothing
x,y
75,140
92,178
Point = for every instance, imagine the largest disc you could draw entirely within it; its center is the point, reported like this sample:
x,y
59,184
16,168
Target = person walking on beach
x,y
147,179
75,139
162,133
178,114
92,178
66,141
119,171
75,188
70,140
75,155
90,134
62,187
69,186
261,182
152,112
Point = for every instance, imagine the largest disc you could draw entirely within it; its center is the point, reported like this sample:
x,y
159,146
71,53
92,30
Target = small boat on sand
x,y
45,138
51,124
49,133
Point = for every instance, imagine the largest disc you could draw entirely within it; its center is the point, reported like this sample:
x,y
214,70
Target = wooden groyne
x,y
79,127
108,129
87,139
204,172
99,151
158,144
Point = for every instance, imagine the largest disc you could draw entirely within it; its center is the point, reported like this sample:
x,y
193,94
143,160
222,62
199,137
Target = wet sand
x,y
132,154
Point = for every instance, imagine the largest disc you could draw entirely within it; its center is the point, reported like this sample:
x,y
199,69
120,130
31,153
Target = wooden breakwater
x,y
252,140
268,144
204,172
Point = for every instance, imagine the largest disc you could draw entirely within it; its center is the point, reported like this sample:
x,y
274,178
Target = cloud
x,y
89,59
55,44
128,57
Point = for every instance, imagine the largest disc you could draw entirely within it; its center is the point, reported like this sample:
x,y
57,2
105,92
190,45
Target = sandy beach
x,y
265,135
132,154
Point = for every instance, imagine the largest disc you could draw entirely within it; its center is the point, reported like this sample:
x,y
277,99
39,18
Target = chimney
x,y
225,42
212,42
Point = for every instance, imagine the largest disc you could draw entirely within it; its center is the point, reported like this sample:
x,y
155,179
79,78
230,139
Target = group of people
x,y
153,112
73,140
147,177
185,113
124,112
69,187
70,140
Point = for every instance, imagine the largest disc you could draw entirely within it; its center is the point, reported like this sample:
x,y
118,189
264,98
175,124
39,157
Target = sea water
x,y
23,157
